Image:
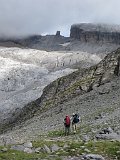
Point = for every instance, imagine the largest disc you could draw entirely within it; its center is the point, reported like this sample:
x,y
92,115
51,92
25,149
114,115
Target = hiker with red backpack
x,y
67,125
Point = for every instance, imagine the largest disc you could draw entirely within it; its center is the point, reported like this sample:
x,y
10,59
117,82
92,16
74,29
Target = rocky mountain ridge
x,y
83,81
86,37
88,32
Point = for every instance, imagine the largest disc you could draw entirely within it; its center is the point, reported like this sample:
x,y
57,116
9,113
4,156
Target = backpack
x,y
76,118
67,121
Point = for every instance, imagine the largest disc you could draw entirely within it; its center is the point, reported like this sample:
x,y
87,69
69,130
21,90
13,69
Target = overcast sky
x,y
26,17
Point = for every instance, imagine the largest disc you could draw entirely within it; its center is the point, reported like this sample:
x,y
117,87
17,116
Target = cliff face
x,y
81,82
87,32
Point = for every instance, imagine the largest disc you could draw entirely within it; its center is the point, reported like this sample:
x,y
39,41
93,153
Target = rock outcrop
x,y
87,32
81,82
58,33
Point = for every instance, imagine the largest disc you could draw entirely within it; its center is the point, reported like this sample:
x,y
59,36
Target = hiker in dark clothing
x,y
67,125
75,120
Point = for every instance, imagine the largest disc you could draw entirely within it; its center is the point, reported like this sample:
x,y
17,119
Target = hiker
x,y
67,125
75,120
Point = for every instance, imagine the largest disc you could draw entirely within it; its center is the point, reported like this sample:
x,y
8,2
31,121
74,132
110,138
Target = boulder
x,y
38,150
28,150
54,148
87,150
93,157
46,149
111,136
18,147
4,150
65,146
85,138
28,145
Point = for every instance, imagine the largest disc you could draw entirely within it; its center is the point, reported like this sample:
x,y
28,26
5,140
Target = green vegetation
x,y
77,84
48,143
17,155
56,133
108,149
111,149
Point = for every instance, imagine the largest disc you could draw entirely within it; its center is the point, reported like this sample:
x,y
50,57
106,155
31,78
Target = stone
x,y
106,131
87,150
111,136
65,146
85,138
83,147
38,150
46,149
28,145
4,149
93,157
54,148
110,130
18,147
73,150
28,150
118,152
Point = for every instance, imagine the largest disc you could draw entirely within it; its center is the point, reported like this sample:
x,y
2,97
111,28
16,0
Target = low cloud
x,y
27,17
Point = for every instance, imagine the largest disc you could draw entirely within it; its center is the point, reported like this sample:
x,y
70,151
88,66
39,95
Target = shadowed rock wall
x,y
96,33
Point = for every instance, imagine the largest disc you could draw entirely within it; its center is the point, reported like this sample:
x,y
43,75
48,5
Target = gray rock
x,y
104,91
46,149
54,148
38,150
118,152
28,150
72,158
111,136
85,138
107,130
28,145
18,147
99,116
4,149
65,146
93,157
110,130
87,150
83,147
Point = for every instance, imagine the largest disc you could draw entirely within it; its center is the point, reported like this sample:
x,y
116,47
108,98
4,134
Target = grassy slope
x,y
108,149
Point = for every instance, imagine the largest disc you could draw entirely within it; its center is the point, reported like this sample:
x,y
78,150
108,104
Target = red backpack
x,y
67,120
